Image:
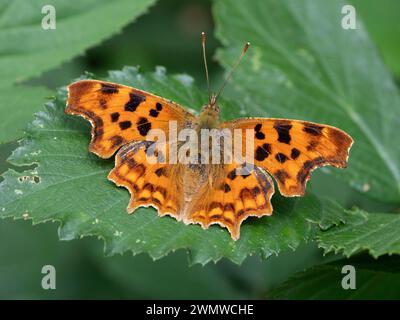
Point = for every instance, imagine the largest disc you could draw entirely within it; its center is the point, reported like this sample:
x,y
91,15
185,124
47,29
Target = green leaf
x,y
381,21
27,50
378,233
374,280
84,273
18,104
70,185
303,65
79,26
189,282
31,248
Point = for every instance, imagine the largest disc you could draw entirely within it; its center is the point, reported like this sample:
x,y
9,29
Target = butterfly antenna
x,y
245,47
203,43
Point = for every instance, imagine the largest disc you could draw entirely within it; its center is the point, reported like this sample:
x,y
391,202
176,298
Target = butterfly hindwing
x,y
150,181
231,194
290,149
120,114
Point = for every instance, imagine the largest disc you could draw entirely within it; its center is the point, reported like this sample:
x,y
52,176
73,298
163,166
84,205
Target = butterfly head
x,y
212,105
209,116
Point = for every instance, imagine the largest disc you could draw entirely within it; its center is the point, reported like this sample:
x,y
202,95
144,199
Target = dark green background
x,y
168,35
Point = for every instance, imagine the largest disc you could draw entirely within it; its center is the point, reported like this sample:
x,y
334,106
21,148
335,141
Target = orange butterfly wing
x,y
290,149
232,193
150,183
121,114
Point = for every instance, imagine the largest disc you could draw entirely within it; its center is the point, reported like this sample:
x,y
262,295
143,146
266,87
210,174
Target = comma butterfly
x,y
197,191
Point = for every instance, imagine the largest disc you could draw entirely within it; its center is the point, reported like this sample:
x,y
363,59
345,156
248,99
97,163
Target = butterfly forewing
x,y
121,114
290,149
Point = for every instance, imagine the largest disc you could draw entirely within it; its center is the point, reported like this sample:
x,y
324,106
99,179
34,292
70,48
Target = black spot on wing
x,y
153,113
262,152
114,116
259,135
160,172
232,174
295,153
134,101
108,88
280,157
143,126
283,130
313,129
125,125
158,106
227,188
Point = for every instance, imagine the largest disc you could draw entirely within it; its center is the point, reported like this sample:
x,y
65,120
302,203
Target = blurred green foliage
x,y
169,36
381,19
27,49
375,280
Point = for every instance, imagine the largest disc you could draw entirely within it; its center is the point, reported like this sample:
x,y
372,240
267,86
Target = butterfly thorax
x,y
209,116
